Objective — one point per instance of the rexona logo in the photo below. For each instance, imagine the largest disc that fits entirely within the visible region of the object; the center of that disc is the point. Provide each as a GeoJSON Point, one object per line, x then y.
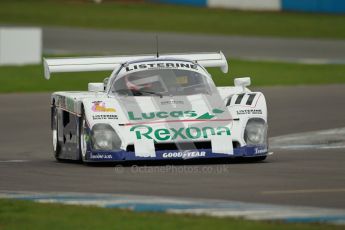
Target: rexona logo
{"type": "Point", "coordinates": [164, 134]}
{"type": "Point", "coordinates": [173, 114]}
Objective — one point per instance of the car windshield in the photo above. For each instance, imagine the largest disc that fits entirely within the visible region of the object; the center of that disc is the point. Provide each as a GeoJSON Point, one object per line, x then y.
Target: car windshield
{"type": "Point", "coordinates": [162, 82]}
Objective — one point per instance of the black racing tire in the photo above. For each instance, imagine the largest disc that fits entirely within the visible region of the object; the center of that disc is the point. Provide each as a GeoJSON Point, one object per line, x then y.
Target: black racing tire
{"type": "Point", "coordinates": [55, 133]}
{"type": "Point", "coordinates": [82, 144]}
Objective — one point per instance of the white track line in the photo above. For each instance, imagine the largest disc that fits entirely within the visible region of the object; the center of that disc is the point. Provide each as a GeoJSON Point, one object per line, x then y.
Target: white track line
{"type": "Point", "coordinates": [13, 161]}
{"type": "Point", "coordinates": [323, 139]}
{"type": "Point", "coordinates": [304, 191]}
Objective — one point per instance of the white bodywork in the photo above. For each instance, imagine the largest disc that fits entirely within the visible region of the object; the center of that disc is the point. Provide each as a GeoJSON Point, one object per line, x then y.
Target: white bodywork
{"type": "Point", "coordinates": [171, 113]}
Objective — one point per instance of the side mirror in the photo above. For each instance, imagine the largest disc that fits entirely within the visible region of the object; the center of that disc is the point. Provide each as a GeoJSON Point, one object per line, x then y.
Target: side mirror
{"type": "Point", "coordinates": [96, 87]}
{"type": "Point", "coordinates": [242, 82]}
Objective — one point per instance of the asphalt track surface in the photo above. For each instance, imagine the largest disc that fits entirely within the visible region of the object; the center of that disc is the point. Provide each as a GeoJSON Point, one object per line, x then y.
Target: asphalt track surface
{"type": "Point", "coordinates": [60, 40]}
{"type": "Point", "coordinates": [304, 178]}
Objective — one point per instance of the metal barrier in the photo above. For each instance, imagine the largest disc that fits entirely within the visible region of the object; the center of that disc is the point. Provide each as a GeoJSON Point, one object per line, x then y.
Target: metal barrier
{"type": "Point", "coordinates": [317, 6]}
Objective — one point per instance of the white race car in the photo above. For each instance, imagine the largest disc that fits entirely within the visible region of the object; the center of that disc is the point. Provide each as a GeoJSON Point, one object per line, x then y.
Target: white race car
{"type": "Point", "coordinates": [156, 108]}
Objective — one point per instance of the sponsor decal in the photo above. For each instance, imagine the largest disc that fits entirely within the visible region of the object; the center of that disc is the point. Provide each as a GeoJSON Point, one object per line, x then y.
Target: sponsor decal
{"type": "Point", "coordinates": [184, 154]}
{"type": "Point", "coordinates": [172, 102]}
{"type": "Point", "coordinates": [207, 116]}
{"type": "Point", "coordinates": [101, 156]}
{"type": "Point", "coordinates": [161, 114]}
{"type": "Point", "coordinates": [161, 65]}
{"type": "Point", "coordinates": [99, 106]}
{"type": "Point", "coordinates": [104, 117]}
{"type": "Point", "coordinates": [173, 114]}
{"type": "Point", "coordinates": [190, 133]}
{"type": "Point", "coordinates": [250, 99]}
{"type": "Point", "coordinates": [261, 150]}
{"type": "Point", "coordinates": [248, 111]}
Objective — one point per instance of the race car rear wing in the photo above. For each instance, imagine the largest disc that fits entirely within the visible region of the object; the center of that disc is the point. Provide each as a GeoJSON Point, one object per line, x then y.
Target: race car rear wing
{"type": "Point", "coordinates": [86, 64]}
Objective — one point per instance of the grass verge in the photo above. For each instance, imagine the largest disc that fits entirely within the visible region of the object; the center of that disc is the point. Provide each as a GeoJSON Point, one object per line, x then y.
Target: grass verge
{"type": "Point", "coordinates": [17, 214]}
{"type": "Point", "coordinates": [154, 17]}
{"type": "Point", "coordinates": [30, 78]}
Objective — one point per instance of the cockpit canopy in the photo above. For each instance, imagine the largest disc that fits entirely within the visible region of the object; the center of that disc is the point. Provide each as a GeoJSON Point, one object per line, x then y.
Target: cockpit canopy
{"type": "Point", "coordinates": [162, 78]}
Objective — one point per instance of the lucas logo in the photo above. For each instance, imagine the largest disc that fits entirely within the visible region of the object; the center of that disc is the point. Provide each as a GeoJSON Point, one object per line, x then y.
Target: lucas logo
{"type": "Point", "coordinates": [173, 114]}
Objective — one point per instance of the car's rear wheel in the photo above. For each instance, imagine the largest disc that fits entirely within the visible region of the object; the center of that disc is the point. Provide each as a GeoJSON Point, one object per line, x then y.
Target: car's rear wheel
{"type": "Point", "coordinates": [55, 133]}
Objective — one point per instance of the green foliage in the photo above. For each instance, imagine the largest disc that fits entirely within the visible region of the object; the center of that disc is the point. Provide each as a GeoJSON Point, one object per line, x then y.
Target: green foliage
{"type": "Point", "coordinates": [16, 214]}
{"type": "Point", "coordinates": [155, 17]}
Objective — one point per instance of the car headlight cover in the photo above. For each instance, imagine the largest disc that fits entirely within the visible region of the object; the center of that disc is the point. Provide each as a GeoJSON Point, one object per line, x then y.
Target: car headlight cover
{"type": "Point", "coordinates": [105, 138]}
{"type": "Point", "coordinates": [255, 132]}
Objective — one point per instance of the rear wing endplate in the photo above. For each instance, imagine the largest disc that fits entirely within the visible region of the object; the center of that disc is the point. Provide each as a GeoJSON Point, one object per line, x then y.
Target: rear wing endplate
{"type": "Point", "coordinates": [86, 64]}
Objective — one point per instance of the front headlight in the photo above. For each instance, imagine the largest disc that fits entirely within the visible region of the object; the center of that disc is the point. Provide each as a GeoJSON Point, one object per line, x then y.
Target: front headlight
{"type": "Point", "coordinates": [255, 132]}
{"type": "Point", "coordinates": [105, 138]}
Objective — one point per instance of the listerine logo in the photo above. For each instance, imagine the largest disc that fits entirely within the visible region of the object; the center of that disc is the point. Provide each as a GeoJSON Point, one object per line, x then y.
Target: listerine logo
{"type": "Point", "coordinates": [164, 134]}
{"type": "Point", "coordinates": [173, 114]}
